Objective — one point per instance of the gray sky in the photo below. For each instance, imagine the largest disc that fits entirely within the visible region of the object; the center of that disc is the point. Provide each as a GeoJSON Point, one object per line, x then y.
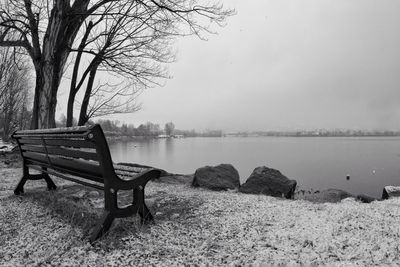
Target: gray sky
{"type": "Point", "coordinates": [285, 65]}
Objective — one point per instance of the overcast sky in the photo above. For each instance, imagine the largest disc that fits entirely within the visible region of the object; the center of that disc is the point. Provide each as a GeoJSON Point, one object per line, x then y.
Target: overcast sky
{"type": "Point", "coordinates": [286, 65]}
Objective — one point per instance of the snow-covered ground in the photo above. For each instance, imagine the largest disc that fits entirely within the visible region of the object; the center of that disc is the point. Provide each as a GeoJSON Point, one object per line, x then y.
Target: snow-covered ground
{"type": "Point", "coordinates": [6, 147]}
{"type": "Point", "coordinates": [194, 227]}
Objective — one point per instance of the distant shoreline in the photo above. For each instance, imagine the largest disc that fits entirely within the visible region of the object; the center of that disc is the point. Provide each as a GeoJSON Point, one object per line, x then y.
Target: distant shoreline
{"type": "Point", "coordinates": [113, 138]}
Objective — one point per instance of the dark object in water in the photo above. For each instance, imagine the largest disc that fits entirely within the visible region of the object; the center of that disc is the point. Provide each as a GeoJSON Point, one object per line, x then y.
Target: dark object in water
{"type": "Point", "coordinates": [348, 177]}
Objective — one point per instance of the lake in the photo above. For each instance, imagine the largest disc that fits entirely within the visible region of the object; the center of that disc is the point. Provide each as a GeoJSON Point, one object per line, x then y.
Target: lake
{"type": "Point", "coordinates": [315, 162]}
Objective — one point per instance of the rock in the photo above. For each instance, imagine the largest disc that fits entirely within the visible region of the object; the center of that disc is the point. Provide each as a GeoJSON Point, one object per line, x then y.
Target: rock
{"type": "Point", "coordinates": [365, 198]}
{"type": "Point", "coordinates": [333, 195]}
{"type": "Point", "coordinates": [269, 182]}
{"type": "Point", "coordinates": [94, 193]}
{"type": "Point", "coordinates": [7, 148]}
{"type": "Point", "coordinates": [221, 177]}
{"type": "Point", "coordinates": [390, 191]}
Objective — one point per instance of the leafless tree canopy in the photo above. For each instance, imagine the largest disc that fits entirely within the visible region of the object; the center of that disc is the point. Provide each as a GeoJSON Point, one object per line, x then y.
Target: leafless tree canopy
{"type": "Point", "coordinates": [127, 36]}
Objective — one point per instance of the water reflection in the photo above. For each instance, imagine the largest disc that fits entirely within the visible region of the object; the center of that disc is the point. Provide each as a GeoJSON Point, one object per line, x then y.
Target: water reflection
{"type": "Point", "coordinates": [169, 146]}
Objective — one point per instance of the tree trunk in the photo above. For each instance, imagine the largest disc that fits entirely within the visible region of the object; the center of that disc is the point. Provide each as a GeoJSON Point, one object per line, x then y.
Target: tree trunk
{"type": "Point", "coordinates": [70, 109]}
{"type": "Point", "coordinates": [48, 79]}
{"type": "Point", "coordinates": [49, 65]}
{"type": "Point", "coordinates": [35, 108]}
{"type": "Point", "coordinates": [83, 116]}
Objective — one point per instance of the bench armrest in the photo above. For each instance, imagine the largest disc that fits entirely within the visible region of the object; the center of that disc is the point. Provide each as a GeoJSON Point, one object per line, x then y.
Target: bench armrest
{"type": "Point", "coordinates": [139, 179]}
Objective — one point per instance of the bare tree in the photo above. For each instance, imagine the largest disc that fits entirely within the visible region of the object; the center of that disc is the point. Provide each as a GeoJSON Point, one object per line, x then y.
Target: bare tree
{"type": "Point", "coordinates": [131, 41]}
{"type": "Point", "coordinates": [7, 65]}
{"type": "Point", "coordinates": [47, 31]}
{"type": "Point", "coordinates": [13, 92]}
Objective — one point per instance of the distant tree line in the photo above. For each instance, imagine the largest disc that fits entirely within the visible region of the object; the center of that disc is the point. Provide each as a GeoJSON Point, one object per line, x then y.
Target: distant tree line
{"type": "Point", "coordinates": [318, 133]}
{"type": "Point", "coordinates": [148, 129]}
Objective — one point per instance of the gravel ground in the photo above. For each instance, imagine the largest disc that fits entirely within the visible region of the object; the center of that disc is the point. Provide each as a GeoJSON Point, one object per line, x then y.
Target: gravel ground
{"type": "Point", "coordinates": [193, 227]}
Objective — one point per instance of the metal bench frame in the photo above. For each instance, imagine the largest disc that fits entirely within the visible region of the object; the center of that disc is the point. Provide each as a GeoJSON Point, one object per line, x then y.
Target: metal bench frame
{"type": "Point", "coordinates": [59, 152]}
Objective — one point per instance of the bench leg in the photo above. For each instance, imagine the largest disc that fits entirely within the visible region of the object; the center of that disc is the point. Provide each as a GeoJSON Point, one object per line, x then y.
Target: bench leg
{"type": "Point", "coordinates": [145, 214]}
{"type": "Point", "coordinates": [50, 183]}
{"type": "Point", "coordinates": [26, 176]}
{"type": "Point", "coordinates": [143, 210]}
{"type": "Point", "coordinates": [102, 227]}
{"type": "Point", "coordinates": [20, 186]}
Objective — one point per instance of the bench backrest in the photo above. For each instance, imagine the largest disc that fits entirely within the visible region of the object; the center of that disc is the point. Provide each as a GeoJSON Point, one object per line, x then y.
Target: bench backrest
{"type": "Point", "coordinates": [80, 151]}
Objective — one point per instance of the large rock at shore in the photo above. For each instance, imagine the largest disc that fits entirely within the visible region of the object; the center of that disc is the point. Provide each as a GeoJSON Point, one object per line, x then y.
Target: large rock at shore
{"type": "Point", "coordinates": [390, 191]}
{"type": "Point", "coordinates": [332, 195]}
{"type": "Point", "coordinates": [221, 177]}
{"type": "Point", "coordinates": [269, 182]}
{"type": "Point", "coordinates": [365, 199]}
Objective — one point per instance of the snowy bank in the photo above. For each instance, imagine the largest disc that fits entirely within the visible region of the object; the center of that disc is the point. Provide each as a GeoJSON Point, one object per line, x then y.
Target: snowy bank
{"type": "Point", "coordinates": [6, 147]}
{"type": "Point", "coordinates": [194, 226]}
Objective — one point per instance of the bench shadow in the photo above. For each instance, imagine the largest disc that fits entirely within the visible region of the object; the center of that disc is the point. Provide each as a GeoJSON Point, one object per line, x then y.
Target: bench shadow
{"type": "Point", "coordinates": [83, 207]}
{"type": "Point", "coordinates": [66, 204]}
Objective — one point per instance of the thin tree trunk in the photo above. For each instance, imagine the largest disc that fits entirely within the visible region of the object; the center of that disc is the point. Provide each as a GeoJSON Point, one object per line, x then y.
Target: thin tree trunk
{"type": "Point", "coordinates": [73, 88]}
{"type": "Point", "coordinates": [70, 109]}
{"type": "Point", "coordinates": [83, 116]}
{"type": "Point", "coordinates": [35, 108]}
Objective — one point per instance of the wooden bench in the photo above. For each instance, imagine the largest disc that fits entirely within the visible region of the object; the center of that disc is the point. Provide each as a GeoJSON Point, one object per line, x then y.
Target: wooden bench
{"type": "Point", "coordinates": [81, 155]}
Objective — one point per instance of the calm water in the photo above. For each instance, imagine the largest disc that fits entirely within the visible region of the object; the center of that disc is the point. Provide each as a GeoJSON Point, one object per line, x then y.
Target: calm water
{"type": "Point", "coordinates": [315, 162]}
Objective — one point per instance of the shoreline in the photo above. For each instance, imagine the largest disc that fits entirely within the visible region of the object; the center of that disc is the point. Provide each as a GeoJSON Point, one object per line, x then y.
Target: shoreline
{"type": "Point", "coordinates": [12, 160]}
